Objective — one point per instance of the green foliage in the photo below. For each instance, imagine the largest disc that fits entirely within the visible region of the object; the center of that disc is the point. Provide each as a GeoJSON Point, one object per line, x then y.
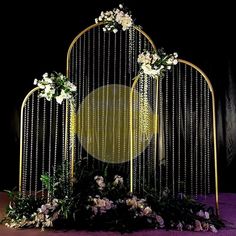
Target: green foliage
{"type": "Point", "coordinates": [47, 182]}
{"type": "Point", "coordinates": [21, 207]}
{"type": "Point", "coordinates": [99, 201]}
{"type": "Point", "coordinates": [181, 208]}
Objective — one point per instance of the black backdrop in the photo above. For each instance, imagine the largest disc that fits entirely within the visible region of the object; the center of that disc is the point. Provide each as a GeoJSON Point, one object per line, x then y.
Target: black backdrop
{"type": "Point", "coordinates": [35, 38]}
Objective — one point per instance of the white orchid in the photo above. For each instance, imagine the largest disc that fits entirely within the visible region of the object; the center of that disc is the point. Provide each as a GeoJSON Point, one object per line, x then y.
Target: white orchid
{"type": "Point", "coordinates": [147, 69]}
{"type": "Point", "coordinates": [118, 180]}
{"type": "Point", "coordinates": [57, 86]}
{"type": "Point", "coordinates": [155, 64]}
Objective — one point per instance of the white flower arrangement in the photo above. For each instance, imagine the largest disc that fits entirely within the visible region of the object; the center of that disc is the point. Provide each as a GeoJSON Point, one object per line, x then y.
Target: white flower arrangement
{"type": "Point", "coordinates": [115, 19]}
{"type": "Point", "coordinates": [57, 86]}
{"type": "Point", "coordinates": [155, 64]}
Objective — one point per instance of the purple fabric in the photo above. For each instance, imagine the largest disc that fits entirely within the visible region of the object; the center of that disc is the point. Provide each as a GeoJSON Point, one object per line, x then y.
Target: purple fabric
{"type": "Point", "coordinates": [227, 203]}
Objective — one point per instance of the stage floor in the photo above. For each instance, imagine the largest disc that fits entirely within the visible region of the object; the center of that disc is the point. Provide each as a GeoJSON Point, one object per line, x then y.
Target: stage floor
{"type": "Point", "coordinates": [227, 203]}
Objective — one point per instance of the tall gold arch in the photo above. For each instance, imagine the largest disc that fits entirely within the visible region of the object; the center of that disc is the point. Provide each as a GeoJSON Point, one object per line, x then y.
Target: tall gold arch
{"type": "Point", "coordinates": [184, 140]}
{"type": "Point", "coordinates": [103, 66]}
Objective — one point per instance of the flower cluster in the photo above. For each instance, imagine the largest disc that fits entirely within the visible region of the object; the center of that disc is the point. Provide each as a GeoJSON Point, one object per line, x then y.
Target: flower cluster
{"type": "Point", "coordinates": [141, 208]}
{"type": "Point", "coordinates": [100, 205]}
{"type": "Point", "coordinates": [115, 19]}
{"type": "Point", "coordinates": [107, 205]}
{"type": "Point", "coordinates": [43, 218]}
{"type": "Point", "coordinates": [155, 64]}
{"type": "Point", "coordinates": [46, 214]}
{"type": "Point", "coordinates": [57, 86]}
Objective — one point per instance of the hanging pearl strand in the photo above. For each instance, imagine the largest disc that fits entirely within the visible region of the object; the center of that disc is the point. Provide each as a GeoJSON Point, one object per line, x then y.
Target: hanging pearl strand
{"type": "Point", "coordinates": [191, 131]}
{"type": "Point", "coordinates": [179, 128]}
{"type": "Point", "coordinates": [185, 129]}
{"type": "Point", "coordinates": [43, 145]}
{"type": "Point", "coordinates": [167, 130]}
{"type": "Point", "coordinates": [93, 88]}
{"type": "Point", "coordinates": [25, 156]}
{"type": "Point", "coordinates": [50, 147]}
{"type": "Point", "coordinates": [197, 133]}
{"type": "Point", "coordinates": [173, 131]}
{"type": "Point", "coordinates": [36, 148]}
{"type": "Point", "coordinates": [161, 157]}
{"type": "Point", "coordinates": [31, 144]}
{"type": "Point", "coordinates": [98, 84]}
{"type": "Point", "coordinates": [55, 145]}
{"type": "Point", "coordinates": [208, 142]}
{"type": "Point", "coordinates": [114, 100]}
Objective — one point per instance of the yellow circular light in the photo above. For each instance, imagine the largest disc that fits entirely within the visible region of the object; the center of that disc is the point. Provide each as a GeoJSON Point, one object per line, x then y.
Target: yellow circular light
{"type": "Point", "coordinates": [103, 123]}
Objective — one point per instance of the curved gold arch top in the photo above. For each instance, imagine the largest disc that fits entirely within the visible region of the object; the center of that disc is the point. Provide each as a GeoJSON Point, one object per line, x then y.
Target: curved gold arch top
{"type": "Point", "coordinates": [21, 136]}
{"type": "Point", "coordinates": [184, 141]}
{"type": "Point", "coordinates": [94, 26]}
{"type": "Point", "coordinates": [103, 65]}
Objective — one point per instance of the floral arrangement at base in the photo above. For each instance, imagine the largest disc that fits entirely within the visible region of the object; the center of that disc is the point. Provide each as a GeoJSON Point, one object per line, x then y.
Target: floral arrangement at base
{"type": "Point", "coordinates": [102, 202]}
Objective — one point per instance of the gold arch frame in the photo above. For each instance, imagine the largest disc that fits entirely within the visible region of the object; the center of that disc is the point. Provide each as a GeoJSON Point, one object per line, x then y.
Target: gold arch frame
{"type": "Point", "coordinates": [131, 115]}
{"type": "Point", "coordinates": [68, 72]}
{"type": "Point", "coordinates": [21, 132]}
{"type": "Point", "coordinates": [155, 129]}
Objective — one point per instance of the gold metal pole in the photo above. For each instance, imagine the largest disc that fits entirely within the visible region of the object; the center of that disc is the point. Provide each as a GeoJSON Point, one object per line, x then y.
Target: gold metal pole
{"type": "Point", "coordinates": [21, 135]}
{"type": "Point", "coordinates": [155, 128]}
{"type": "Point", "coordinates": [215, 155]}
{"type": "Point", "coordinates": [131, 132]}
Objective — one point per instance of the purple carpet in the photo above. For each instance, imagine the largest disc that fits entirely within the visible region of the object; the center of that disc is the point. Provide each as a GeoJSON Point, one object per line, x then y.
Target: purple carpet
{"type": "Point", "coordinates": [227, 202]}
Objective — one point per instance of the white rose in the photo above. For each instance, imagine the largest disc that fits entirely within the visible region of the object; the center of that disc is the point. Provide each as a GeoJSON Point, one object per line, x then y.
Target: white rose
{"type": "Point", "coordinates": [126, 22]}
{"type": "Point", "coordinates": [175, 54]}
{"type": "Point", "coordinates": [45, 75]}
{"type": "Point", "coordinates": [175, 61]}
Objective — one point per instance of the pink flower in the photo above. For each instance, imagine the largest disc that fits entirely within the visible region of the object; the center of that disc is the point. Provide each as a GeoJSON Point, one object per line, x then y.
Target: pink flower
{"type": "Point", "coordinates": [205, 226]}
{"type": "Point", "coordinates": [180, 226]}
{"type": "Point", "coordinates": [213, 229]}
{"type": "Point", "coordinates": [147, 211]}
{"type": "Point", "coordinates": [160, 221]}
{"type": "Point", "coordinates": [132, 202]}
{"type": "Point", "coordinates": [198, 226]}
{"type": "Point", "coordinates": [189, 227]}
